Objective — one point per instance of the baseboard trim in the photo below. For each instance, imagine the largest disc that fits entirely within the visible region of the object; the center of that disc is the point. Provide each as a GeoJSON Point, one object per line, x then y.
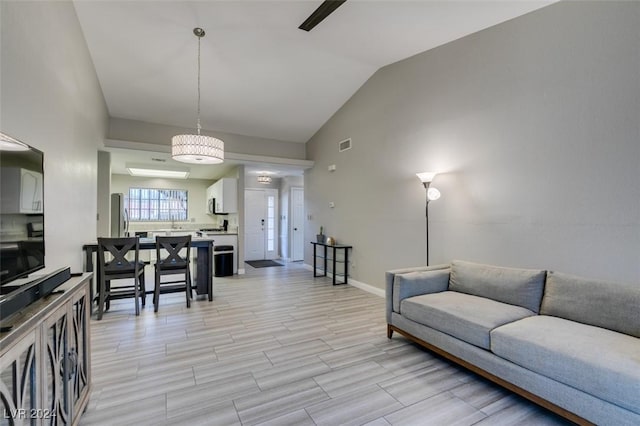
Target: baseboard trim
{"type": "Point", "coordinates": [367, 287]}
{"type": "Point", "coordinates": [362, 286]}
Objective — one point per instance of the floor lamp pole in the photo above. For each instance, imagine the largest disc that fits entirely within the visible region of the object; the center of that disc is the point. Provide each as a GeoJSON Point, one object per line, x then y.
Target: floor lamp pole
{"type": "Point", "coordinates": [426, 214]}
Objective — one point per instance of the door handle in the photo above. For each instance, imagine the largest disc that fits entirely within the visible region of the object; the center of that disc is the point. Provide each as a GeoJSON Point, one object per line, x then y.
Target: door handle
{"type": "Point", "coordinates": [295, 229]}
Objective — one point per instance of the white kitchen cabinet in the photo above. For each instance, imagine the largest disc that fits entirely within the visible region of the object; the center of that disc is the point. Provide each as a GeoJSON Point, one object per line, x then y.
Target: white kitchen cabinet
{"type": "Point", "coordinates": [225, 195]}
{"type": "Point", "coordinates": [25, 197]}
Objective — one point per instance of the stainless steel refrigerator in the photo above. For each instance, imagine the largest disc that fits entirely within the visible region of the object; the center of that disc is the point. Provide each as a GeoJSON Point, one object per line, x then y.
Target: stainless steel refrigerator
{"type": "Point", "coordinates": [119, 216]}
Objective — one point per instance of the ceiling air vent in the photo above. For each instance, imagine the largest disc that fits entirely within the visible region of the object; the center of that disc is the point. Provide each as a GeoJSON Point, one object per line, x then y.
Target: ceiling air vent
{"type": "Point", "coordinates": [344, 145]}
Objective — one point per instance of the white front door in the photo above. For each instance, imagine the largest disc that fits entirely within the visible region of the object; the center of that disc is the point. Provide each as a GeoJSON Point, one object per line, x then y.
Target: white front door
{"type": "Point", "coordinates": [260, 223]}
{"type": "Point", "coordinates": [297, 224]}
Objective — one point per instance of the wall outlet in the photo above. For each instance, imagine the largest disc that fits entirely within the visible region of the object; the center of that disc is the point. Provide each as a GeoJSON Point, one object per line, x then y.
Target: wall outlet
{"type": "Point", "coordinates": [332, 204]}
{"type": "Point", "coordinates": [332, 168]}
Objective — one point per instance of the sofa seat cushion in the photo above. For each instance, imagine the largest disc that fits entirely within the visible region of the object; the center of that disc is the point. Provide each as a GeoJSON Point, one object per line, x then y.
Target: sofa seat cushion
{"type": "Point", "coordinates": [603, 363]}
{"type": "Point", "coordinates": [466, 317]}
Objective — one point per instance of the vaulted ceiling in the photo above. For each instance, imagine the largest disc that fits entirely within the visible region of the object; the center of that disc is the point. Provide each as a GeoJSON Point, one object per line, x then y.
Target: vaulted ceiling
{"type": "Point", "coordinates": [261, 75]}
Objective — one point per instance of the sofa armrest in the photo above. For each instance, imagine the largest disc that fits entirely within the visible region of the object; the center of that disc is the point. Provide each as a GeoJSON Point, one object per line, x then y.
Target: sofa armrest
{"type": "Point", "coordinates": [408, 282]}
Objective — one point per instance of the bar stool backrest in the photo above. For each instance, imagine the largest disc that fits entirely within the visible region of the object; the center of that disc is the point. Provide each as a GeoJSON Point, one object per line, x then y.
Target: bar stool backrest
{"type": "Point", "coordinates": [173, 246]}
{"type": "Point", "coordinates": [115, 264]}
{"type": "Point", "coordinates": [117, 249]}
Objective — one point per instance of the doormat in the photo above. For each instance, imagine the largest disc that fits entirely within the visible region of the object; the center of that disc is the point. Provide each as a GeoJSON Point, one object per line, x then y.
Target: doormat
{"type": "Point", "coordinates": [262, 263]}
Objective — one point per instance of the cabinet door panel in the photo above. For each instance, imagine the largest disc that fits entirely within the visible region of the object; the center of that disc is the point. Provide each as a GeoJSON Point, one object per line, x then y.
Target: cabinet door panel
{"type": "Point", "coordinates": [31, 192]}
{"type": "Point", "coordinates": [56, 397]}
{"type": "Point", "coordinates": [18, 385]}
{"type": "Point", "coordinates": [79, 360]}
{"type": "Point", "coordinates": [45, 369]}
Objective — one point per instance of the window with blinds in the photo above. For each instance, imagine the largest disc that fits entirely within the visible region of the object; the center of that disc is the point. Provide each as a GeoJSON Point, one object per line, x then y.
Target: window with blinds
{"type": "Point", "coordinates": [157, 204]}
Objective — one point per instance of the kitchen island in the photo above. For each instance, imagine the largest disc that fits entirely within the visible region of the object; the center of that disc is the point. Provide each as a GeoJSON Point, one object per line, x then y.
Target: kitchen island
{"type": "Point", "coordinates": [222, 237]}
{"type": "Point", "coordinates": [202, 273]}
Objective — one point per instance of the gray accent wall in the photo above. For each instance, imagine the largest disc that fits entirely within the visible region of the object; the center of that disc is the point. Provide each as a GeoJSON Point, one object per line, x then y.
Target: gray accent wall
{"type": "Point", "coordinates": [534, 128]}
{"type": "Point", "coordinates": [51, 99]}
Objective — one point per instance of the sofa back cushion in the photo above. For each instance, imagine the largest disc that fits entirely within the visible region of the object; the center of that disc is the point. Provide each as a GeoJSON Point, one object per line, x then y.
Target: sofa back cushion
{"type": "Point", "coordinates": [520, 287]}
{"type": "Point", "coordinates": [599, 303]}
{"type": "Point", "coordinates": [417, 283]}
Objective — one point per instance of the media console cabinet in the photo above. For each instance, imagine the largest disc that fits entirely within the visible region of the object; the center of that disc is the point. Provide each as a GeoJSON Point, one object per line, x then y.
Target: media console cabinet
{"type": "Point", "coordinates": [45, 358]}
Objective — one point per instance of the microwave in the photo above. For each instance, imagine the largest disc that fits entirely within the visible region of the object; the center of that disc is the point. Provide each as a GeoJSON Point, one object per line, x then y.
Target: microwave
{"type": "Point", "coordinates": [211, 207]}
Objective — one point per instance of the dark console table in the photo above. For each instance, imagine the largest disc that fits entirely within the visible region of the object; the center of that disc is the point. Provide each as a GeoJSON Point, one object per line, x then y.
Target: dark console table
{"type": "Point", "coordinates": [335, 248]}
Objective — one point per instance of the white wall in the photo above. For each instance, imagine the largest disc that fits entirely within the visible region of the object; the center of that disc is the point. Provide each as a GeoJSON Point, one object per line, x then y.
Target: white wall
{"type": "Point", "coordinates": [153, 133]}
{"type": "Point", "coordinates": [251, 181]}
{"type": "Point", "coordinates": [51, 99]}
{"type": "Point", "coordinates": [534, 127]}
{"type": "Point", "coordinates": [240, 174]}
{"type": "Point", "coordinates": [103, 227]}
{"type": "Point", "coordinates": [196, 200]}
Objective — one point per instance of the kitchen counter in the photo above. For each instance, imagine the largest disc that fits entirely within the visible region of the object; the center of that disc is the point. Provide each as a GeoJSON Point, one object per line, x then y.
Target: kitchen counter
{"type": "Point", "coordinates": [152, 240]}
{"type": "Point", "coordinates": [193, 232]}
{"type": "Point", "coordinates": [218, 233]}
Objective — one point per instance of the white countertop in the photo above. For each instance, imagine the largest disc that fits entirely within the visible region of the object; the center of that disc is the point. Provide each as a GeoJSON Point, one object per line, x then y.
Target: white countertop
{"type": "Point", "coordinates": [218, 233]}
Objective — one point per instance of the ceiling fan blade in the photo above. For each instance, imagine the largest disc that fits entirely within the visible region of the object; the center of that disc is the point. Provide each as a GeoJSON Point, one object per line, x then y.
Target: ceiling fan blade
{"type": "Point", "coordinates": [325, 9]}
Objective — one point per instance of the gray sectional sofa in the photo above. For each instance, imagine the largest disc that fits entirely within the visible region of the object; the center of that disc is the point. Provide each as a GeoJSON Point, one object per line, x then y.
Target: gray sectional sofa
{"type": "Point", "coordinates": [569, 344]}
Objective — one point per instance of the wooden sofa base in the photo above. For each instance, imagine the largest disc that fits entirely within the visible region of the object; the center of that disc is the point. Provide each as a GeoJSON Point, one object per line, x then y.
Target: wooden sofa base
{"type": "Point", "coordinates": [507, 385]}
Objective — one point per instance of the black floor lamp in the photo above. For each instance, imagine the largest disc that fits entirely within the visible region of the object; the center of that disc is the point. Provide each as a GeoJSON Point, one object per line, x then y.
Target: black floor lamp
{"type": "Point", "coordinates": [432, 194]}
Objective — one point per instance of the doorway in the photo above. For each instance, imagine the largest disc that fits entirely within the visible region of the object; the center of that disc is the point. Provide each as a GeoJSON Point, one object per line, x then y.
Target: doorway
{"type": "Point", "coordinates": [260, 224]}
{"type": "Point", "coordinates": [297, 224]}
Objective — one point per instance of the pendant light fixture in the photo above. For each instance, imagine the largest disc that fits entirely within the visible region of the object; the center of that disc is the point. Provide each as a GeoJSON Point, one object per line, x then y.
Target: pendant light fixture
{"type": "Point", "coordinates": [197, 149]}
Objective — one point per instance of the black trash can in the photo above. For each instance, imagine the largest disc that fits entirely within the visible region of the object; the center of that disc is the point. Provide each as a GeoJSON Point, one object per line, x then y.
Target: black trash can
{"type": "Point", "coordinates": [223, 259]}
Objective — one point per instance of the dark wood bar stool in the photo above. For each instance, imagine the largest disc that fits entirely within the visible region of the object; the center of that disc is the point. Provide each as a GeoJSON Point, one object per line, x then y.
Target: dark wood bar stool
{"type": "Point", "coordinates": [172, 264]}
{"type": "Point", "coordinates": [119, 267]}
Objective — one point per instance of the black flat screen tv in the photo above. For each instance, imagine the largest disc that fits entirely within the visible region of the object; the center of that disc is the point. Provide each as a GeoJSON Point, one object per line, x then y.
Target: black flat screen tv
{"type": "Point", "coordinates": [21, 210]}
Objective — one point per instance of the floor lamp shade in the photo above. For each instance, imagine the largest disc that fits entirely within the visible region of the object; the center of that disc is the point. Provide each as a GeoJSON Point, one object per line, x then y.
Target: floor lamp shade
{"type": "Point", "coordinates": [432, 194]}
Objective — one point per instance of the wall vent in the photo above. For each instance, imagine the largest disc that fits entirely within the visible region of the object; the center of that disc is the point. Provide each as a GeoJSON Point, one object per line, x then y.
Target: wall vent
{"type": "Point", "coordinates": [344, 145]}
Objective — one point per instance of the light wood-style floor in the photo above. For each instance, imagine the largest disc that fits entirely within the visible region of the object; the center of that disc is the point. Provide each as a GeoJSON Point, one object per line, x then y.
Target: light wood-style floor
{"type": "Point", "coordinates": [278, 347]}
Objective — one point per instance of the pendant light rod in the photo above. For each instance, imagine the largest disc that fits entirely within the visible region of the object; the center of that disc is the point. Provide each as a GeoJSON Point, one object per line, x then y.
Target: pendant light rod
{"type": "Point", "coordinates": [199, 32]}
{"type": "Point", "coordinates": [197, 149]}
